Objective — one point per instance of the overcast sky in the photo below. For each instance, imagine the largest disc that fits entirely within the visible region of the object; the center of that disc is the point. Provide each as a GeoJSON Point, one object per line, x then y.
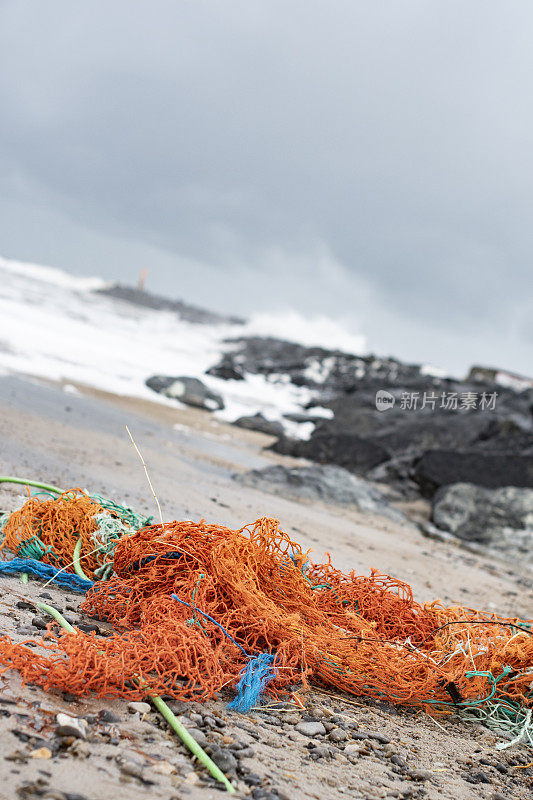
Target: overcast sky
{"type": "Point", "coordinates": [372, 161]}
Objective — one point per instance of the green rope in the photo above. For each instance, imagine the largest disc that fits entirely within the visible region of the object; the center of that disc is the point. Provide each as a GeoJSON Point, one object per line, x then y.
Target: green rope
{"type": "Point", "coordinates": [48, 487]}
{"type": "Point", "coordinates": [159, 703]}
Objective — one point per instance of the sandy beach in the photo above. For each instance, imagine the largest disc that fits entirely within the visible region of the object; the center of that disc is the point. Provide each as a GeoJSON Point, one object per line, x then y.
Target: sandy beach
{"type": "Point", "coordinates": [77, 438]}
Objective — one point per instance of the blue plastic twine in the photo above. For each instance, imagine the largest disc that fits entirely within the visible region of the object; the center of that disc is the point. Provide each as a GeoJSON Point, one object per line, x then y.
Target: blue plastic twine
{"type": "Point", "coordinates": [255, 676]}
{"type": "Point", "coordinates": [254, 679]}
{"type": "Point", "coordinates": [40, 570]}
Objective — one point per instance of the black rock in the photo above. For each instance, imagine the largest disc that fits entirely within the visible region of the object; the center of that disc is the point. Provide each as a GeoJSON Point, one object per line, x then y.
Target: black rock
{"type": "Point", "coordinates": [224, 759]}
{"type": "Point", "coordinates": [443, 467]}
{"type": "Point", "coordinates": [343, 449]}
{"type": "Point", "coordinates": [257, 422]}
{"type": "Point", "coordinates": [190, 391]}
{"type": "Point", "coordinates": [185, 311]}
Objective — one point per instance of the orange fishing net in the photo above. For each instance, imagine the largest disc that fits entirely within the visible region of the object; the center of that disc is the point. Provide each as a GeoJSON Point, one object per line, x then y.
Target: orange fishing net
{"type": "Point", "coordinates": [49, 529]}
{"type": "Point", "coordinates": [254, 589]}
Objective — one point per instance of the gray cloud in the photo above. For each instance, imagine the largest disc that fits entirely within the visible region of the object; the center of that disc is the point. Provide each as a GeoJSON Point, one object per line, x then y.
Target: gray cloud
{"type": "Point", "coordinates": [370, 160]}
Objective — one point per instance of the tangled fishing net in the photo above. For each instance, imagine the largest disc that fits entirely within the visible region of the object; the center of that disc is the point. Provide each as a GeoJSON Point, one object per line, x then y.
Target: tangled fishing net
{"type": "Point", "coordinates": [196, 607]}
{"type": "Point", "coordinates": [48, 530]}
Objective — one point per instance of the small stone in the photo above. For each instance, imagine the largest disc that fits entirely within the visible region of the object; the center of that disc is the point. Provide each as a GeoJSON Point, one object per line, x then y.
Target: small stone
{"type": "Point", "coordinates": [24, 605]}
{"type": "Point", "coordinates": [196, 718]}
{"type": "Point", "coordinates": [352, 750]}
{"type": "Point", "coordinates": [477, 777]}
{"type": "Point", "coordinates": [379, 737]}
{"type": "Point", "coordinates": [198, 736]}
{"type": "Point", "coordinates": [164, 768]}
{"type": "Point", "coordinates": [224, 759]}
{"type": "Point", "coordinates": [192, 778]}
{"type": "Point", "coordinates": [40, 623]}
{"type": "Point", "coordinates": [41, 752]}
{"type": "Point", "coordinates": [139, 708]}
{"type": "Point", "coordinates": [291, 719]}
{"type": "Point", "coordinates": [71, 726]}
{"type": "Point", "coordinates": [338, 735]}
{"type": "Point", "coordinates": [420, 775]}
{"type": "Point", "coordinates": [311, 728]}
{"type": "Point", "coordinates": [246, 752]}
{"type": "Point", "coordinates": [107, 716]}
{"type": "Point", "coordinates": [498, 796]}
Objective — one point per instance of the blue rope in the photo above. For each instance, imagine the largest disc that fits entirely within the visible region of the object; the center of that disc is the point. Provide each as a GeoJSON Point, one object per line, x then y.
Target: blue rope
{"type": "Point", "coordinates": [255, 676]}
{"type": "Point", "coordinates": [40, 570]}
{"type": "Point", "coordinates": [224, 631]}
{"type": "Point", "coordinates": [254, 679]}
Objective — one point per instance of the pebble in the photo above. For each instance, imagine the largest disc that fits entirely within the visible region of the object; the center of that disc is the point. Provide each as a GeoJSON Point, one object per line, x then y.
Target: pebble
{"type": "Point", "coordinates": [139, 708]}
{"type": "Point", "coordinates": [41, 752]}
{"type": "Point", "coordinates": [352, 750]}
{"type": "Point", "coordinates": [108, 716]}
{"type": "Point", "coordinates": [164, 768]}
{"type": "Point", "coordinates": [420, 775]}
{"type": "Point", "coordinates": [224, 759]}
{"type": "Point", "coordinates": [71, 726]}
{"type": "Point", "coordinates": [379, 737]}
{"type": "Point", "coordinates": [477, 777]}
{"type": "Point", "coordinates": [338, 735]}
{"type": "Point", "coordinates": [40, 623]}
{"type": "Point", "coordinates": [192, 778]}
{"type": "Point", "coordinates": [198, 736]}
{"type": "Point", "coordinates": [311, 728]}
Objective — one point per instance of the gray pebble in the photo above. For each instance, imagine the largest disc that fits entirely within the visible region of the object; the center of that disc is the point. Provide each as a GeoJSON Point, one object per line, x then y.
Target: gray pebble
{"type": "Point", "coordinates": [420, 775]}
{"type": "Point", "coordinates": [338, 735]}
{"type": "Point", "coordinates": [107, 716]}
{"type": "Point", "coordinates": [198, 736]}
{"type": "Point", "coordinates": [311, 728]}
{"type": "Point", "coordinates": [224, 759]}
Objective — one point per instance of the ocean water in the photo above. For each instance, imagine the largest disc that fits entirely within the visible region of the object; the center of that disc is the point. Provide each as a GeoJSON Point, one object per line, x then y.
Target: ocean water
{"type": "Point", "coordinates": [54, 326]}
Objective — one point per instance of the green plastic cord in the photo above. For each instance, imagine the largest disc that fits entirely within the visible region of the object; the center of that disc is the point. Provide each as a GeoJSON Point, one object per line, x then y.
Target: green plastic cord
{"type": "Point", "coordinates": [46, 486]}
{"type": "Point", "coordinates": [76, 561]}
{"type": "Point", "coordinates": [158, 702]}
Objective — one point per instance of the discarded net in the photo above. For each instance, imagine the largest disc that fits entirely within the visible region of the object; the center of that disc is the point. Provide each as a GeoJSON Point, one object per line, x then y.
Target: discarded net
{"type": "Point", "coordinates": [197, 607]}
{"type": "Point", "coordinates": [48, 530]}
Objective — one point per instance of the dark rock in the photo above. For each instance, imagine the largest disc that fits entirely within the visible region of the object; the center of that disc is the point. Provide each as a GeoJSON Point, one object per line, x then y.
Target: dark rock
{"type": "Point", "coordinates": [108, 717]}
{"type": "Point", "coordinates": [484, 515]}
{"type": "Point", "coordinates": [316, 482]}
{"type": "Point", "coordinates": [257, 422]}
{"type": "Point", "coordinates": [477, 777]}
{"type": "Point", "coordinates": [24, 605]}
{"type": "Point", "coordinates": [190, 391]}
{"type": "Point", "coordinates": [227, 369]}
{"type": "Point", "coordinates": [40, 623]}
{"type": "Point", "coordinates": [343, 449]}
{"type": "Point", "coordinates": [443, 467]}
{"type": "Point", "coordinates": [224, 759]}
{"type": "Point", "coordinates": [185, 311]}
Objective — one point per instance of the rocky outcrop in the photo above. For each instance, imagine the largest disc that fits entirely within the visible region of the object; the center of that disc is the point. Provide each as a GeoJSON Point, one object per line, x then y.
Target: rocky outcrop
{"type": "Point", "coordinates": [438, 468]}
{"type": "Point", "coordinates": [187, 312]}
{"type": "Point", "coordinates": [190, 391]}
{"type": "Point", "coordinates": [501, 518]}
{"type": "Point", "coordinates": [326, 483]}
